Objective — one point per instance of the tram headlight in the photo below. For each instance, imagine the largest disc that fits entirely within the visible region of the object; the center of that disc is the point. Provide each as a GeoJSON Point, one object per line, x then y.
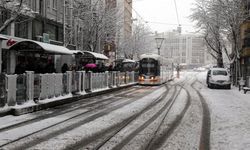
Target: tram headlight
{"type": "Point", "coordinates": [141, 77]}
{"type": "Point", "coordinates": [153, 78]}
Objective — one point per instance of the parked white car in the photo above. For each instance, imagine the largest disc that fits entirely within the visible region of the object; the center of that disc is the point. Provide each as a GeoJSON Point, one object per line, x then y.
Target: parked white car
{"type": "Point", "coordinates": [218, 77]}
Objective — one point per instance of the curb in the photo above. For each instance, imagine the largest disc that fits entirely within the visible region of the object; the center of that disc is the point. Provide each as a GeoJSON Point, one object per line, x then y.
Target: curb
{"type": "Point", "coordinates": [6, 112]}
{"type": "Point", "coordinates": [38, 107]}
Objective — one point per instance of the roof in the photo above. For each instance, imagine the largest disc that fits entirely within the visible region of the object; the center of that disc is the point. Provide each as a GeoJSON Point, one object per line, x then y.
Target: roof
{"type": "Point", "coordinates": [154, 56]}
{"type": "Point", "coordinates": [39, 47]}
{"type": "Point", "coordinates": [3, 38]}
{"type": "Point", "coordinates": [128, 61]}
{"type": "Point", "coordinates": [93, 54]}
{"type": "Point", "coordinates": [218, 69]}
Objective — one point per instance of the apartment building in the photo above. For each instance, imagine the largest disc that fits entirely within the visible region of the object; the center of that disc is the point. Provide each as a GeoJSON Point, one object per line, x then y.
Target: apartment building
{"type": "Point", "coordinates": [185, 49]}
{"type": "Point", "coordinates": [245, 41]}
{"type": "Point", "coordinates": [48, 19]}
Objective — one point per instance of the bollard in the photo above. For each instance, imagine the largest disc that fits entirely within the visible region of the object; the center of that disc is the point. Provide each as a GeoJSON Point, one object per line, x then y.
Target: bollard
{"type": "Point", "coordinates": [114, 78]}
{"type": "Point", "coordinates": [83, 82]}
{"type": "Point", "coordinates": [30, 85]}
{"type": "Point", "coordinates": [11, 89]}
{"type": "Point", "coordinates": [90, 81]}
{"type": "Point", "coordinates": [241, 83]}
{"type": "Point", "coordinates": [118, 79]}
{"type": "Point", "coordinates": [79, 83]}
{"type": "Point", "coordinates": [133, 77]}
{"type": "Point", "coordinates": [69, 82]}
{"type": "Point", "coordinates": [107, 79]}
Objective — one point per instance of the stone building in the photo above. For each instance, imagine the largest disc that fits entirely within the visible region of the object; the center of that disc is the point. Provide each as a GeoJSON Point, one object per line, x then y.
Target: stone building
{"type": "Point", "coordinates": [186, 49]}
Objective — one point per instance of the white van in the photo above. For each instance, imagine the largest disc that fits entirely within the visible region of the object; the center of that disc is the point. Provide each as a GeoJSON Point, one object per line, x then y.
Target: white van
{"type": "Point", "coordinates": [218, 77]}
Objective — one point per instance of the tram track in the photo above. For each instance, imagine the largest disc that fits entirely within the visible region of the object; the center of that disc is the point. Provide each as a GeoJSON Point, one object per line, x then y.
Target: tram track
{"type": "Point", "coordinates": [78, 122]}
{"type": "Point", "coordinates": [113, 129]}
{"type": "Point", "coordinates": [161, 136]}
{"type": "Point", "coordinates": [131, 127]}
{"type": "Point", "coordinates": [163, 132]}
{"type": "Point", "coordinates": [195, 124]}
{"type": "Point", "coordinates": [206, 121]}
{"type": "Point", "coordinates": [64, 109]}
{"type": "Point", "coordinates": [165, 109]}
{"type": "Point", "coordinates": [167, 106]}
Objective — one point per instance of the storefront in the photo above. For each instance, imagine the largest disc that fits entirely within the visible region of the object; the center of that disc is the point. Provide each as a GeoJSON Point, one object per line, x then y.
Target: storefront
{"type": "Point", "coordinates": [36, 56]}
{"type": "Point", "coordinates": [83, 58]}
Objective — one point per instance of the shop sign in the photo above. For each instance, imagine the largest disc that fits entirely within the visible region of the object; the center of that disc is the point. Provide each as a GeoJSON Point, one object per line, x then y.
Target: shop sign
{"type": "Point", "coordinates": [10, 42]}
{"type": "Point", "coordinates": [45, 38]}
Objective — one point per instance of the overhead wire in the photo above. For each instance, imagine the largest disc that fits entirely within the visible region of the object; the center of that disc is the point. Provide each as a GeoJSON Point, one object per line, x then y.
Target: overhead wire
{"type": "Point", "coordinates": [176, 12]}
{"type": "Point", "coordinates": [165, 23]}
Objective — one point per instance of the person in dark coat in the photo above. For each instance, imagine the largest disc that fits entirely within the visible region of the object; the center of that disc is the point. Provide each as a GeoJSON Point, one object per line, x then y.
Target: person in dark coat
{"type": "Point", "coordinates": [64, 68]}
{"type": "Point", "coordinates": [50, 68]}
{"type": "Point", "coordinates": [110, 68]}
{"type": "Point", "coordinates": [20, 68]}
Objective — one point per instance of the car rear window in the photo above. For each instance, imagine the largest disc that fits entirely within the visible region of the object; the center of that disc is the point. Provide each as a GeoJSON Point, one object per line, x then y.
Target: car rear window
{"type": "Point", "coordinates": [220, 72]}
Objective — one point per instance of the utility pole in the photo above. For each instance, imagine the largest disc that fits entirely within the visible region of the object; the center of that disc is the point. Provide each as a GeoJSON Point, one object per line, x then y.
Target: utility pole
{"type": "Point", "coordinates": [64, 18]}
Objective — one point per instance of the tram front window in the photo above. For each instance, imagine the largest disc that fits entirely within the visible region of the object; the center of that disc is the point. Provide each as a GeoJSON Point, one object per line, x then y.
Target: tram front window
{"type": "Point", "coordinates": [148, 68]}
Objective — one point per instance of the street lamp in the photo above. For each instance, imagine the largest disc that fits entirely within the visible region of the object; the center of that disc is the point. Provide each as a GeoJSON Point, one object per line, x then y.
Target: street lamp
{"type": "Point", "coordinates": [159, 43]}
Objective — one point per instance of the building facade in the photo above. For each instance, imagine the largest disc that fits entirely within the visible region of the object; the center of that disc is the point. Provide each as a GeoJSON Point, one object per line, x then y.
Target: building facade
{"type": "Point", "coordinates": [185, 49]}
{"type": "Point", "coordinates": [245, 42]}
{"type": "Point", "coordinates": [124, 27]}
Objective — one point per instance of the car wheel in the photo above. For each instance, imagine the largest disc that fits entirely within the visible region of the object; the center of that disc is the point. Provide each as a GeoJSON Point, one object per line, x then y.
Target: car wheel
{"type": "Point", "coordinates": [229, 86]}
{"type": "Point", "coordinates": [210, 86]}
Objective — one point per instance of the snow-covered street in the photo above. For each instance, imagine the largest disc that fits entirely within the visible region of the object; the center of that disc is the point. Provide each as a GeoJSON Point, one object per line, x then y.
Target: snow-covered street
{"type": "Point", "coordinates": [230, 121]}
{"type": "Point", "coordinates": [183, 114]}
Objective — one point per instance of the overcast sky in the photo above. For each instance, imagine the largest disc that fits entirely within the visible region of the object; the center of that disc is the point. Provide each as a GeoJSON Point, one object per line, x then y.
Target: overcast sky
{"type": "Point", "coordinates": [161, 14]}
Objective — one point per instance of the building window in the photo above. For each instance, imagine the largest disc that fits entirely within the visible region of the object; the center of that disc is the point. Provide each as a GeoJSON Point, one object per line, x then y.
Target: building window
{"type": "Point", "coordinates": [4, 15]}
{"type": "Point", "coordinates": [52, 31]}
{"type": "Point", "coordinates": [48, 3]}
{"type": "Point", "coordinates": [21, 28]}
{"type": "Point", "coordinates": [54, 4]}
{"type": "Point", "coordinates": [34, 6]}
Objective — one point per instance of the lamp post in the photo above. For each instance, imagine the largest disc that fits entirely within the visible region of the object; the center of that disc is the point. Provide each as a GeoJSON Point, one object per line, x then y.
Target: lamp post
{"type": "Point", "coordinates": [159, 43]}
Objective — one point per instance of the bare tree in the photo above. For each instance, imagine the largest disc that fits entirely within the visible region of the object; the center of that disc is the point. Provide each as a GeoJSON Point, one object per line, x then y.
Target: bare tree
{"type": "Point", "coordinates": [12, 9]}
{"type": "Point", "coordinates": [141, 39]}
{"type": "Point", "coordinates": [207, 15]}
{"type": "Point", "coordinates": [220, 22]}
{"type": "Point", "coordinates": [137, 43]}
{"type": "Point", "coordinates": [97, 22]}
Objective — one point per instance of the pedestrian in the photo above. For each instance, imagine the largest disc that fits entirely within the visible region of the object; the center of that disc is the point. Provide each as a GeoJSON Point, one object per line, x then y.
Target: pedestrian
{"type": "Point", "coordinates": [20, 68]}
{"type": "Point", "coordinates": [110, 68]}
{"type": "Point", "coordinates": [64, 68]}
{"type": "Point", "coordinates": [50, 68]}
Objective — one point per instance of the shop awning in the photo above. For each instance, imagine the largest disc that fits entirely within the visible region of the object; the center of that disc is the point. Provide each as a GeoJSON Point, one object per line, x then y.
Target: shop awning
{"type": "Point", "coordinates": [39, 47]}
{"type": "Point", "coordinates": [3, 38]}
{"type": "Point", "coordinates": [95, 55]}
{"type": "Point", "coordinates": [128, 61]}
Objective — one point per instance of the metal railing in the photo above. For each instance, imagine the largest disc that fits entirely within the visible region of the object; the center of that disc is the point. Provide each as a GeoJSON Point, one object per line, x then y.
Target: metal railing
{"type": "Point", "coordinates": [19, 89]}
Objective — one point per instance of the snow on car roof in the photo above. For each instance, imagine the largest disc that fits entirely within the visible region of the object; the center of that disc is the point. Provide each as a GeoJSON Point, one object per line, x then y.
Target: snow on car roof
{"type": "Point", "coordinates": [218, 69]}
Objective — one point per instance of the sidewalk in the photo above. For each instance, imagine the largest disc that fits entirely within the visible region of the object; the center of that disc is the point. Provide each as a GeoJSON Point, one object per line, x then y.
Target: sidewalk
{"type": "Point", "coordinates": [31, 106]}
